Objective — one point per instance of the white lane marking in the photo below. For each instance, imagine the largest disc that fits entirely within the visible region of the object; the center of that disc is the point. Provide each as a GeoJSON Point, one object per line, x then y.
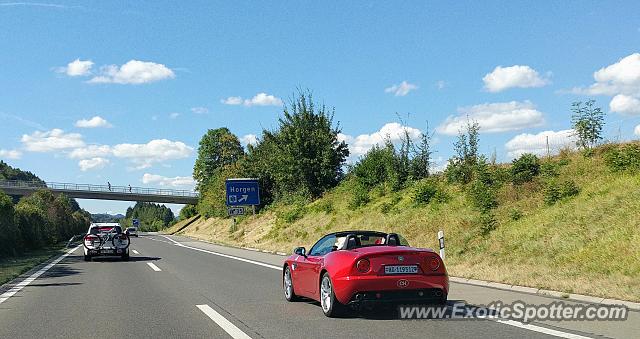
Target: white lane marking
{"type": "Point", "coordinates": [226, 255]}
{"type": "Point", "coordinates": [15, 289]}
{"type": "Point", "coordinates": [225, 324]}
{"type": "Point", "coordinates": [135, 252]}
{"type": "Point", "coordinates": [529, 327]}
{"type": "Point", "coordinates": [154, 267]}
{"type": "Point", "coordinates": [539, 329]}
{"type": "Point", "coordinates": [150, 238]}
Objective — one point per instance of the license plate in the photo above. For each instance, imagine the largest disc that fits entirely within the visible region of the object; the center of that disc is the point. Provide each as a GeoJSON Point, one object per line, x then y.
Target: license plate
{"type": "Point", "coordinates": [401, 269]}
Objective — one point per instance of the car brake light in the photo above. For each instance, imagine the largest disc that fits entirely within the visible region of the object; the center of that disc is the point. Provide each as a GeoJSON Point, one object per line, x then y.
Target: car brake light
{"type": "Point", "coordinates": [363, 265]}
{"type": "Point", "coordinates": [434, 263]}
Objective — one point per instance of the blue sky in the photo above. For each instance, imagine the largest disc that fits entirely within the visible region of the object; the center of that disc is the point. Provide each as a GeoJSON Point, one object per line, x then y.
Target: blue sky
{"type": "Point", "coordinates": [158, 74]}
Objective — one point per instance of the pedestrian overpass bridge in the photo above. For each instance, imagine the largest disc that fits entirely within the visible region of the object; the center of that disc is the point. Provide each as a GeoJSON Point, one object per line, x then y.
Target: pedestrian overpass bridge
{"type": "Point", "coordinates": [101, 192]}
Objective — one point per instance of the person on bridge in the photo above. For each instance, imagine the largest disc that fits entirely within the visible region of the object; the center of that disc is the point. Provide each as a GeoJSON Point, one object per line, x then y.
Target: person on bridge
{"type": "Point", "coordinates": [109, 185]}
{"type": "Point", "coordinates": [129, 188]}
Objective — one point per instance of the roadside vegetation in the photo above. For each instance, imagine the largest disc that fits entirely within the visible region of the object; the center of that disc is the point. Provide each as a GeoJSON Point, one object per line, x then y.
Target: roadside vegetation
{"type": "Point", "coordinates": [567, 222]}
{"type": "Point", "coordinates": [33, 228]}
{"type": "Point", "coordinates": [14, 266]}
{"type": "Point", "coordinates": [152, 217]}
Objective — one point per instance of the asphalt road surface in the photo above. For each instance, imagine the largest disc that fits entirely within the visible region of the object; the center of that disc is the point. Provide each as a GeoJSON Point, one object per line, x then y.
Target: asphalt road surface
{"type": "Point", "coordinates": [175, 287]}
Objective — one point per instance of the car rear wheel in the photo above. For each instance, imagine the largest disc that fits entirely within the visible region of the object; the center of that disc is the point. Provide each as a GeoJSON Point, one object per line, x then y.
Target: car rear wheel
{"type": "Point", "coordinates": [288, 285]}
{"type": "Point", "coordinates": [87, 258]}
{"type": "Point", "coordinates": [125, 257]}
{"type": "Point", "coordinates": [331, 307]}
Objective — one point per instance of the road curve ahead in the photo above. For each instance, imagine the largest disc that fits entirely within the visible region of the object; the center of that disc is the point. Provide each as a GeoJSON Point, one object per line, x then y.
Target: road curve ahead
{"type": "Point", "coordinates": [175, 287]}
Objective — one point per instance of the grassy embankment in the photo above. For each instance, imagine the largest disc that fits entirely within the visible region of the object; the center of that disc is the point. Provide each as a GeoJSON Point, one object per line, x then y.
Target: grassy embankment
{"type": "Point", "coordinates": [12, 267]}
{"type": "Point", "coordinates": [588, 244]}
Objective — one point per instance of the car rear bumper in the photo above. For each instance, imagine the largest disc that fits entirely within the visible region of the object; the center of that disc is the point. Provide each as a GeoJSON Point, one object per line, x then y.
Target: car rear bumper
{"type": "Point", "coordinates": [392, 288]}
{"type": "Point", "coordinates": [106, 252]}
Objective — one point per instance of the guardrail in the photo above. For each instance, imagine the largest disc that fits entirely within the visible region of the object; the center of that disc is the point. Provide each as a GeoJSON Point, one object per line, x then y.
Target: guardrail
{"type": "Point", "coordinates": [96, 188]}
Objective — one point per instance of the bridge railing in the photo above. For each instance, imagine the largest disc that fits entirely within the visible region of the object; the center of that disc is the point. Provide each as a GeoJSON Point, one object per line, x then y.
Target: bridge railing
{"type": "Point", "coordinates": [97, 188]}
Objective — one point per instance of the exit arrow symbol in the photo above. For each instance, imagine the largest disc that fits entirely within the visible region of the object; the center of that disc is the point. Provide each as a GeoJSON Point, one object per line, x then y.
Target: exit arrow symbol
{"type": "Point", "coordinates": [243, 198]}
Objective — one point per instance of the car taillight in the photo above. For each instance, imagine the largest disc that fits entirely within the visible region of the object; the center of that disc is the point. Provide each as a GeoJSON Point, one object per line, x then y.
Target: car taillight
{"type": "Point", "coordinates": [363, 265]}
{"type": "Point", "coordinates": [434, 263]}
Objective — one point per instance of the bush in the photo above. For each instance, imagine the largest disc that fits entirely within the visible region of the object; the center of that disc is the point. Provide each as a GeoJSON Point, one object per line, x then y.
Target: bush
{"type": "Point", "coordinates": [515, 214]}
{"type": "Point", "coordinates": [488, 223]}
{"type": "Point", "coordinates": [555, 191]}
{"type": "Point", "coordinates": [386, 207]}
{"type": "Point", "coordinates": [324, 206]}
{"type": "Point", "coordinates": [188, 211]}
{"type": "Point", "coordinates": [424, 192]}
{"type": "Point", "coordinates": [525, 168]}
{"type": "Point", "coordinates": [625, 158]}
{"type": "Point", "coordinates": [360, 197]}
{"type": "Point", "coordinates": [568, 189]}
{"type": "Point", "coordinates": [295, 212]}
{"type": "Point", "coordinates": [8, 229]}
{"type": "Point", "coordinates": [482, 190]}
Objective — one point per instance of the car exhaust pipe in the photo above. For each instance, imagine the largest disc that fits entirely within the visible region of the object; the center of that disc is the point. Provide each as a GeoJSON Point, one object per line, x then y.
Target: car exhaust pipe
{"type": "Point", "coordinates": [438, 293]}
{"type": "Point", "coordinates": [359, 297]}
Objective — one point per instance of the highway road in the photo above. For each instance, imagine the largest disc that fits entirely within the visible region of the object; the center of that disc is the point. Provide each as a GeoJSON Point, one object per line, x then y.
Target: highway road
{"type": "Point", "coordinates": [175, 287]}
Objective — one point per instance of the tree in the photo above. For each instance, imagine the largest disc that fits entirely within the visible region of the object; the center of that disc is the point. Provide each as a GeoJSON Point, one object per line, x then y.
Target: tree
{"type": "Point", "coordinates": [218, 147]}
{"type": "Point", "coordinates": [421, 161]}
{"type": "Point", "coordinates": [587, 122]}
{"type": "Point", "coordinates": [462, 165]}
{"type": "Point", "coordinates": [303, 156]}
{"type": "Point", "coordinates": [525, 168]}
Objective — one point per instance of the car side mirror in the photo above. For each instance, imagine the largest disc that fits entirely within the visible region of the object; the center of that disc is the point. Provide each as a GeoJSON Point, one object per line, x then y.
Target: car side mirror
{"type": "Point", "coordinates": [300, 251]}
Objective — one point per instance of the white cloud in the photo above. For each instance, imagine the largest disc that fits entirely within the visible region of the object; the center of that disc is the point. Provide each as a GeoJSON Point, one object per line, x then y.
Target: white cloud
{"type": "Point", "coordinates": [636, 131]}
{"type": "Point", "coordinates": [625, 104]}
{"type": "Point", "coordinates": [94, 122]}
{"type": "Point", "coordinates": [249, 139]}
{"type": "Point", "coordinates": [174, 115]}
{"type": "Point", "coordinates": [200, 110]}
{"type": "Point", "coordinates": [401, 89]}
{"type": "Point", "coordinates": [513, 76]}
{"type": "Point", "coordinates": [537, 143]}
{"type": "Point", "coordinates": [92, 164]}
{"type": "Point", "coordinates": [263, 99]}
{"type": "Point", "coordinates": [52, 140]}
{"type": "Point", "coordinates": [91, 151]}
{"type": "Point", "coordinates": [260, 99]}
{"type": "Point", "coordinates": [494, 117]}
{"type": "Point", "coordinates": [160, 180]}
{"type": "Point", "coordinates": [393, 131]}
{"type": "Point", "coordinates": [155, 151]}
{"type": "Point", "coordinates": [620, 80]}
{"type": "Point", "coordinates": [441, 84]}
{"type": "Point", "coordinates": [77, 68]}
{"type": "Point", "coordinates": [232, 101]}
{"type": "Point", "coordinates": [133, 72]}
{"type": "Point", "coordinates": [10, 154]}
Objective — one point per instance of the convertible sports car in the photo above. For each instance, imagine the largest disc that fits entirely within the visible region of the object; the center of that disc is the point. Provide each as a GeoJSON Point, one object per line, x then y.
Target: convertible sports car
{"type": "Point", "coordinates": [362, 268]}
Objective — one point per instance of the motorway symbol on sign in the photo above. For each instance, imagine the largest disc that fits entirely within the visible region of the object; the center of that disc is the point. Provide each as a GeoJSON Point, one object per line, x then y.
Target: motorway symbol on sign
{"type": "Point", "coordinates": [234, 211]}
{"type": "Point", "coordinates": [242, 192]}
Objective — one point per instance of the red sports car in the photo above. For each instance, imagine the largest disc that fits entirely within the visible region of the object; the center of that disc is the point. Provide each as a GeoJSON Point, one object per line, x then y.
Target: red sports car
{"type": "Point", "coordinates": [358, 268]}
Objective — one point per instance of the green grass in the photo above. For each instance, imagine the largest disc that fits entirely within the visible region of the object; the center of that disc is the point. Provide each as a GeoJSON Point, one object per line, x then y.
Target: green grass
{"type": "Point", "coordinates": [13, 267]}
{"type": "Point", "coordinates": [588, 243]}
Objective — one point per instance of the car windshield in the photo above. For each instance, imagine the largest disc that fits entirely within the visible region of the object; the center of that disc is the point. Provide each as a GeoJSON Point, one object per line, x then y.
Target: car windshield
{"type": "Point", "coordinates": [363, 240]}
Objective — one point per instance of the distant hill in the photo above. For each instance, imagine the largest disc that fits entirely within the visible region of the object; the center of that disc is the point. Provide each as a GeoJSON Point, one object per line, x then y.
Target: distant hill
{"type": "Point", "coordinates": [105, 217]}
{"type": "Point", "coordinates": [9, 173]}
